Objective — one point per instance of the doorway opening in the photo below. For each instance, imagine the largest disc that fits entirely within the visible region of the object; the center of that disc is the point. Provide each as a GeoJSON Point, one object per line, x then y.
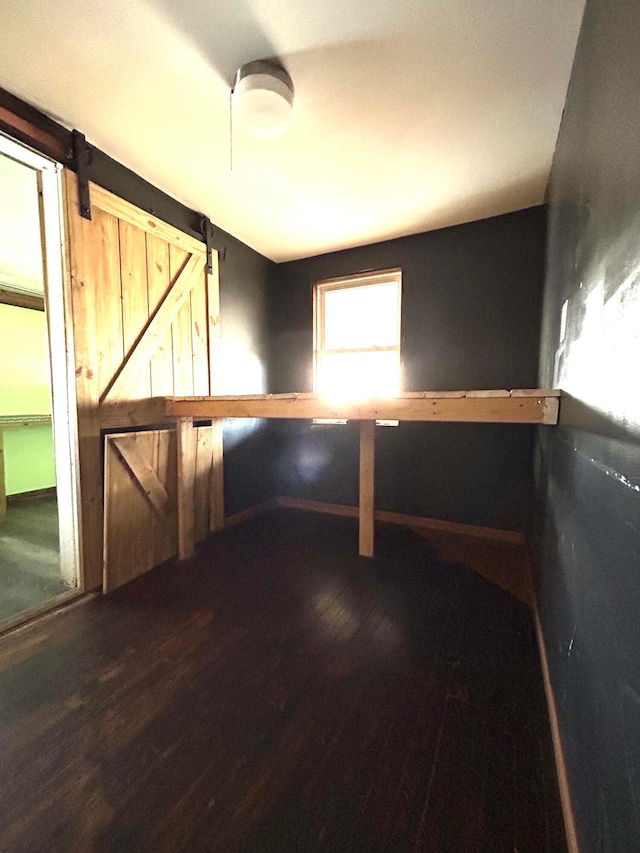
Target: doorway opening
{"type": "Point", "coordinates": [39, 546]}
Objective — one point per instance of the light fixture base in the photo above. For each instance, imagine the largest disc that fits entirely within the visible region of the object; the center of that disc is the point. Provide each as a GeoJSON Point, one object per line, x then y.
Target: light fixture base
{"type": "Point", "coordinates": [262, 98]}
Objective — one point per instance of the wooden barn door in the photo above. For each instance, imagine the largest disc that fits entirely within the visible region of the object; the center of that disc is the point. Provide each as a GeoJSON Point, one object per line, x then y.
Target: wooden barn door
{"type": "Point", "coordinates": [145, 325]}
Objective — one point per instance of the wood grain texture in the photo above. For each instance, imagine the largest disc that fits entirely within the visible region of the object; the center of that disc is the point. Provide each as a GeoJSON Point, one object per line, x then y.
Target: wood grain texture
{"type": "Point", "coordinates": [89, 269]}
{"type": "Point", "coordinates": [21, 300]}
{"type": "Point", "coordinates": [141, 330]}
{"type": "Point", "coordinates": [184, 275]}
{"type": "Point", "coordinates": [181, 325]}
{"type": "Point", "coordinates": [367, 488]}
{"type": "Point", "coordinates": [142, 469]}
{"type": "Point", "coordinates": [135, 304]}
{"type": "Point", "coordinates": [140, 504]}
{"type": "Point", "coordinates": [213, 324]}
{"type": "Point", "coordinates": [104, 289]}
{"type": "Point", "coordinates": [119, 523]}
{"type": "Point", "coordinates": [202, 482]}
{"type": "Point", "coordinates": [558, 750]}
{"type": "Point", "coordinates": [132, 413]}
{"type": "Point", "coordinates": [494, 392]}
{"type": "Point", "coordinates": [199, 336]}
{"type": "Point", "coordinates": [216, 501]}
{"type": "Point", "coordinates": [417, 521]}
{"type": "Point", "coordinates": [465, 409]}
{"type": "Point", "coordinates": [165, 533]}
{"type": "Point", "coordinates": [142, 498]}
{"type": "Point", "coordinates": [271, 696]}
{"type": "Point", "coordinates": [124, 210]}
{"type": "Point", "coordinates": [551, 410]}
{"type": "Point", "coordinates": [14, 124]}
{"type": "Point", "coordinates": [186, 455]}
{"type": "Point", "coordinates": [158, 285]}
{"type": "Point", "coordinates": [536, 392]}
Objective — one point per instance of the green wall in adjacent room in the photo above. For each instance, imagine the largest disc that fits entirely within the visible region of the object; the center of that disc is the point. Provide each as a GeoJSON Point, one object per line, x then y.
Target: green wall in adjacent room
{"type": "Point", "coordinates": [28, 462]}
{"type": "Point", "coordinates": [24, 362]}
{"type": "Point", "coordinates": [24, 390]}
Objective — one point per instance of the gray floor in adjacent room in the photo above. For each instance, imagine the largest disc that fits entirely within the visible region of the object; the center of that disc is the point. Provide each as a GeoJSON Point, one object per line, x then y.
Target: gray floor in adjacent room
{"type": "Point", "coordinates": [29, 557]}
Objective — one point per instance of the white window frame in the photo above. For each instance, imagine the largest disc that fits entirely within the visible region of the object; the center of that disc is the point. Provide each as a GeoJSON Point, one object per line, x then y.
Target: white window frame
{"type": "Point", "coordinates": [364, 279]}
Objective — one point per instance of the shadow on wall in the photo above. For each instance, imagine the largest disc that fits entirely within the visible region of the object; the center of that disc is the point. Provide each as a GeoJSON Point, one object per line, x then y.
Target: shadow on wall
{"type": "Point", "coordinates": [248, 464]}
{"type": "Point", "coordinates": [448, 471]}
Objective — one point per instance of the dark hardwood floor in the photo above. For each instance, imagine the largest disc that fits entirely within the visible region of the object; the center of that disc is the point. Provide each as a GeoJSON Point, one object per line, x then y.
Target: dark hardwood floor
{"type": "Point", "coordinates": [279, 693]}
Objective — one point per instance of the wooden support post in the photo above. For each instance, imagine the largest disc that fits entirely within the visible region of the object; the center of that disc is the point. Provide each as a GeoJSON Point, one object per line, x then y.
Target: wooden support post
{"type": "Point", "coordinates": [367, 464]}
{"type": "Point", "coordinates": [186, 447]}
{"type": "Point", "coordinates": [216, 503]}
{"type": "Point", "coordinates": [3, 492]}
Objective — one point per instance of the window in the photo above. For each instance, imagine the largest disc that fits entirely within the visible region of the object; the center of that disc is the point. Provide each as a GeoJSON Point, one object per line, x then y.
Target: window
{"type": "Point", "coordinates": [357, 336]}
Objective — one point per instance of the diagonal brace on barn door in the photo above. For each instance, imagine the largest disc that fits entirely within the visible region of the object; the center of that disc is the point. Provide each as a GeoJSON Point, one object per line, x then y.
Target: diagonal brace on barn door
{"type": "Point", "coordinates": [142, 472]}
{"type": "Point", "coordinates": [158, 324]}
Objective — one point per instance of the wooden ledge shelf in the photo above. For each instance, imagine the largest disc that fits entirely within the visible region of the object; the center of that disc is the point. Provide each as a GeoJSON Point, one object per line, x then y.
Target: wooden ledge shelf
{"type": "Point", "coordinates": [520, 406]}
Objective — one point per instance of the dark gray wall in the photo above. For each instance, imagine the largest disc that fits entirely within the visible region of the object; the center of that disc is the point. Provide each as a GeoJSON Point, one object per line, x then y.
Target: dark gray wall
{"type": "Point", "coordinates": [244, 283]}
{"type": "Point", "coordinates": [471, 303]}
{"type": "Point", "coordinates": [588, 469]}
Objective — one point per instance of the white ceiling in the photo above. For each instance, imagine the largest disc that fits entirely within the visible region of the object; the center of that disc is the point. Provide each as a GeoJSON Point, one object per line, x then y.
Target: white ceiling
{"type": "Point", "coordinates": [410, 114]}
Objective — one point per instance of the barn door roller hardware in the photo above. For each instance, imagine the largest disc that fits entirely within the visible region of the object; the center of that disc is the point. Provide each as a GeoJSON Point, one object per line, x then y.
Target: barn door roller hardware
{"type": "Point", "coordinates": [82, 157]}
{"type": "Point", "coordinates": [207, 230]}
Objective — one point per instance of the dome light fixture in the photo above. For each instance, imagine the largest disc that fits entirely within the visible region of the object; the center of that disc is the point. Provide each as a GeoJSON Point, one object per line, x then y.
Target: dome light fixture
{"type": "Point", "coordinates": [262, 98]}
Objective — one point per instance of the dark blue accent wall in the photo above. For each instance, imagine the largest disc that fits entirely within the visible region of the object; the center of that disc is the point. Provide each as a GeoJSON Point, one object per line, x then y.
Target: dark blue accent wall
{"type": "Point", "coordinates": [588, 468]}
{"type": "Point", "coordinates": [244, 287]}
{"type": "Point", "coordinates": [471, 306]}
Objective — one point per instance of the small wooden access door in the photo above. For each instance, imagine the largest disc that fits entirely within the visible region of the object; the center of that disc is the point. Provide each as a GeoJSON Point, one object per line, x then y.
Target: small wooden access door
{"type": "Point", "coordinates": [145, 325]}
{"type": "Point", "coordinates": [140, 499]}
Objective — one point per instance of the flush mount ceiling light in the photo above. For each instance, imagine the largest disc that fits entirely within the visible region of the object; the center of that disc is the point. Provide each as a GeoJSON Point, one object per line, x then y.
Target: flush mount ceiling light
{"type": "Point", "coordinates": [262, 98]}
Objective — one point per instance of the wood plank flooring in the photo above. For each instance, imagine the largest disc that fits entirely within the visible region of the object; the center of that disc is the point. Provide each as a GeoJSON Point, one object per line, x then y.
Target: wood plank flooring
{"type": "Point", "coordinates": [279, 693]}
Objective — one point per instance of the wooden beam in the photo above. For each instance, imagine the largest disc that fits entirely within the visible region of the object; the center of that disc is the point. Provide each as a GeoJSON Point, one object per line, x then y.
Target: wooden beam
{"type": "Point", "coordinates": [533, 410]}
{"type": "Point", "coordinates": [551, 410]}
{"type": "Point", "coordinates": [420, 521]}
{"type": "Point", "coordinates": [494, 392]}
{"type": "Point", "coordinates": [21, 300]}
{"type": "Point", "coordinates": [213, 324]}
{"type": "Point", "coordinates": [27, 131]}
{"type": "Point", "coordinates": [133, 413]}
{"type": "Point", "coordinates": [216, 501]}
{"type": "Point", "coordinates": [142, 351]}
{"type": "Point", "coordinates": [251, 512]}
{"type": "Point", "coordinates": [186, 449]}
{"type": "Point", "coordinates": [536, 392]}
{"type": "Point", "coordinates": [367, 467]}
{"type": "Point", "coordinates": [124, 210]}
{"type": "Point", "coordinates": [556, 739]}
{"type": "Point", "coordinates": [142, 471]}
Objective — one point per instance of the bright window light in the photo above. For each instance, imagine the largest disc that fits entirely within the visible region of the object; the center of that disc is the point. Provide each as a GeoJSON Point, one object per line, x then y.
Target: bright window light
{"type": "Point", "coordinates": [357, 336]}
